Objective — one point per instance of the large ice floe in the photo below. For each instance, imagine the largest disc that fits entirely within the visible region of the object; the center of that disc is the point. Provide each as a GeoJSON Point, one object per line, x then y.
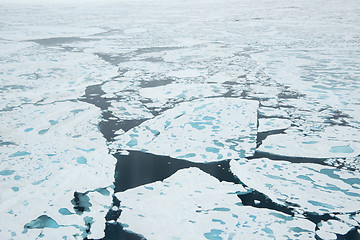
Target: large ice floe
{"type": "Point", "coordinates": [303, 186]}
{"type": "Point", "coordinates": [49, 158]}
{"type": "Point", "coordinates": [204, 130]}
{"type": "Point", "coordinates": [331, 142]}
{"type": "Point", "coordinates": [194, 205]}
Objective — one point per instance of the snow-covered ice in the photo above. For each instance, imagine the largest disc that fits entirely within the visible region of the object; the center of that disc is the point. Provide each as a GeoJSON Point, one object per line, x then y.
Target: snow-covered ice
{"type": "Point", "coordinates": [129, 110]}
{"type": "Point", "coordinates": [52, 153]}
{"type": "Point", "coordinates": [271, 124]}
{"type": "Point", "coordinates": [205, 209]}
{"type": "Point", "coordinates": [203, 81]}
{"type": "Point", "coordinates": [203, 130]}
{"type": "Point", "coordinates": [330, 143]}
{"type": "Point", "coordinates": [304, 186]}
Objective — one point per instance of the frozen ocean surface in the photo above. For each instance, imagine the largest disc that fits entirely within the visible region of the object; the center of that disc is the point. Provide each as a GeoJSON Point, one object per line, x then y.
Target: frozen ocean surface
{"type": "Point", "coordinates": [176, 119]}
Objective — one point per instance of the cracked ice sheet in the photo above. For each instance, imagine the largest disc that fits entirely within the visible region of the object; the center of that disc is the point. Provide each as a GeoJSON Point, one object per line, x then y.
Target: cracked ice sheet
{"type": "Point", "coordinates": [332, 142]}
{"type": "Point", "coordinates": [36, 74]}
{"type": "Point", "coordinates": [204, 130]}
{"type": "Point", "coordinates": [183, 91]}
{"type": "Point", "coordinates": [330, 77]}
{"type": "Point", "coordinates": [191, 204]}
{"type": "Point", "coordinates": [313, 187]}
{"type": "Point", "coordinates": [51, 155]}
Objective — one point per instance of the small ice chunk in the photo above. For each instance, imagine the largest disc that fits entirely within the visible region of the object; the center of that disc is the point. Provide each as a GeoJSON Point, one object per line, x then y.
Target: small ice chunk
{"type": "Point", "coordinates": [129, 110]}
{"type": "Point", "coordinates": [270, 124]}
{"type": "Point", "coordinates": [113, 87]}
{"type": "Point", "coordinates": [272, 112]}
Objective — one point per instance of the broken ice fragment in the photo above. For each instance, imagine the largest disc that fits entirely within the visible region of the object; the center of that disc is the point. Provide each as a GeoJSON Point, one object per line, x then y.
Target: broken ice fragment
{"type": "Point", "coordinates": [272, 112]}
{"type": "Point", "coordinates": [204, 207]}
{"type": "Point", "coordinates": [204, 130]}
{"type": "Point", "coordinates": [129, 110]}
{"type": "Point", "coordinates": [113, 87]}
{"type": "Point", "coordinates": [271, 124]}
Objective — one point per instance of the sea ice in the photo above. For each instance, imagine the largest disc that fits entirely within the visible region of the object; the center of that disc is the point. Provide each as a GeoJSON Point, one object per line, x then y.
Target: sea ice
{"type": "Point", "coordinates": [38, 75]}
{"type": "Point", "coordinates": [53, 155]}
{"type": "Point", "coordinates": [181, 91]}
{"type": "Point", "coordinates": [303, 186]}
{"type": "Point", "coordinates": [270, 124]}
{"type": "Point", "coordinates": [204, 130]}
{"type": "Point", "coordinates": [329, 76]}
{"type": "Point", "coordinates": [191, 204]}
{"type": "Point", "coordinates": [333, 227]}
{"type": "Point", "coordinates": [129, 110]}
{"type": "Point", "coordinates": [113, 88]}
{"type": "Point", "coordinates": [272, 112]}
{"type": "Point", "coordinates": [330, 143]}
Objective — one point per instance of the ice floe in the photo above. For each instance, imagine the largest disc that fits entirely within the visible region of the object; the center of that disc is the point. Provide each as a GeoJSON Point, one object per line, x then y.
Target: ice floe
{"type": "Point", "coordinates": [304, 186]}
{"type": "Point", "coordinates": [329, 229]}
{"type": "Point", "coordinates": [330, 78]}
{"type": "Point", "coordinates": [180, 91]}
{"type": "Point", "coordinates": [204, 130]}
{"type": "Point", "coordinates": [271, 124]}
{"type": "Point", "coordinates": [114, 88]}
{"type": "Point", "coordinates": [52, 155]}
{"type": "Point", "coordinates": [272, 112]}
{"type": "Point", "coordinates": [125, 110]}
{"type": "Point", "coordinates": [330, 143]}
{"type": "Point", "coordinates": [191, 204]}
{"type": "Point", "coordinates": [41, 75]}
